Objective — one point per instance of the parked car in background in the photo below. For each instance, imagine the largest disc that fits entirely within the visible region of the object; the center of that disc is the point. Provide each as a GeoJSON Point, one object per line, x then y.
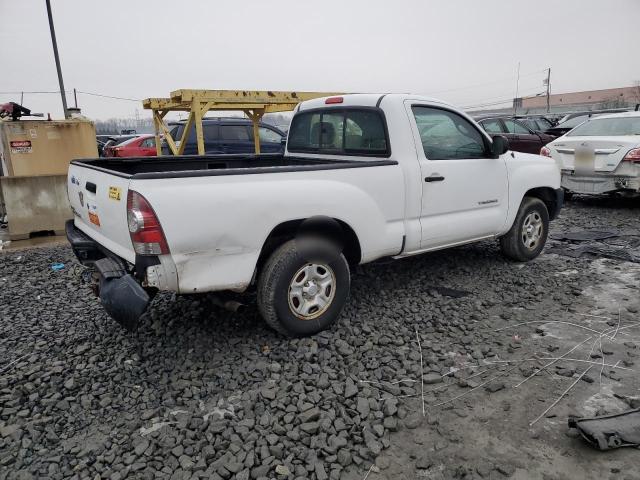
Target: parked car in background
{"type": "Point", "coordinates": [573, 119]}
{"type": "Point", "coordinates": [536, 123]}
{"type": "Point", "coordinates": [571, 115]}
{"type": "Point", "coordinates": [101, 140]}
{"type": "Point", "coordinates": [601, 155]}
{"type": "Point", "coordinates": [521, 138]}
{"type": "Point", "coordinates": [139, 146]}
{"type": "Point", "coordinates": [567, 125]}
{"type": "Point", "coordinates": [228, 135]}
{"type": "Point", "coordinates": [113, 141]}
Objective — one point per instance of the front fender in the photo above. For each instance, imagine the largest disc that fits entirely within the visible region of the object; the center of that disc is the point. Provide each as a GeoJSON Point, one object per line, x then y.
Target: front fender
{"type": "Point", "coordinates": [527, 172]}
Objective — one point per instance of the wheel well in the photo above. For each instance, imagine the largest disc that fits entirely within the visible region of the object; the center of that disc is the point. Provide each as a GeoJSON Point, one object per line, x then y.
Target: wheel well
{"type": "Point", "coordinates": [548, 196]}
{"type": "Point", "coordinates": [327, 227]}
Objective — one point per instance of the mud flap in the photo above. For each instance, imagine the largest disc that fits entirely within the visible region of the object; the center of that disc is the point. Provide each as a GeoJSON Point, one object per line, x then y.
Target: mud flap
{"type": "Point", "coordinates": [610, 431]}
{"type": "Point", "coordinates": [124, 300]}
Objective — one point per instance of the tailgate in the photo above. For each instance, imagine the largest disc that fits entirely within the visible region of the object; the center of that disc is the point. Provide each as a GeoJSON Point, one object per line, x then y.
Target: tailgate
{"type": "Point", "coordinates": [99, 201]}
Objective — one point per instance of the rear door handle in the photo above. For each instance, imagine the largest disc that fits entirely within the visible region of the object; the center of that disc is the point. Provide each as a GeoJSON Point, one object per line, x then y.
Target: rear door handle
{"type": "Point", "coordinates": [434, 178]}
{"type": "Point", "coordinates": [91, 187]}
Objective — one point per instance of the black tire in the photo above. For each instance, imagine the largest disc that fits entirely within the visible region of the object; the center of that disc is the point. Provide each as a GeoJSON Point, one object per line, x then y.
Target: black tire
{"type": "Point", "coordinates": [276, 278]}
{"type": "Point", "coordinates": [515, 244]}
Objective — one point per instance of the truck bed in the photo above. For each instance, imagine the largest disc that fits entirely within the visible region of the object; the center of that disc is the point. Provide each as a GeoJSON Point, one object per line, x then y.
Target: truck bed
{"type": "Point", "coordinates": [214, 165]}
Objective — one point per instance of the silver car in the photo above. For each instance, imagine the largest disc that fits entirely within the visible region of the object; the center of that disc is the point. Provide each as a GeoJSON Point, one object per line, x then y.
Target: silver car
{"type": "Point", "coordinates": [601, 155]}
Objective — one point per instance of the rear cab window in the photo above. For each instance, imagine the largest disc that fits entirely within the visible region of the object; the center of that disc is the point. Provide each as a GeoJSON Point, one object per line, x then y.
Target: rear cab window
{"type": "Point", "coordinates": [358, 131]}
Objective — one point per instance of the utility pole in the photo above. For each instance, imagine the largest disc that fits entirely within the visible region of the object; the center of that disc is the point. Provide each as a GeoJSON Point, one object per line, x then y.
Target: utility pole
{"type": "Point", "coordinates": [548, 88]}
{"type": "Point", "coordinates": [515, 100]}
{"type": "Point", "coordinates": [75, 98]}
{"type": "Point", "coordinates": [57, 58]}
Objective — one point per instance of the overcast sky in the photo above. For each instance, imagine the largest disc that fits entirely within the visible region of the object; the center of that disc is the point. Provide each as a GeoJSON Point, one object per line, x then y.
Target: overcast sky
{"type": "Point", "coordinates": [465, 52]}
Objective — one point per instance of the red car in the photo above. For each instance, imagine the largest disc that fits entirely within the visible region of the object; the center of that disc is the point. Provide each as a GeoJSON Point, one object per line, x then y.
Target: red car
{"type": "Point", "coordinates": [140, 146]}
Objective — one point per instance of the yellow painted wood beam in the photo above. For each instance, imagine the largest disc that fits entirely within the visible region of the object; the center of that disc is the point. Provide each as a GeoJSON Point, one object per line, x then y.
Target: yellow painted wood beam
{"type": "Point", "coordinates": [255, 115]}
{"type": "Point", "coordinates": [185, 133]}
{"type": "Point", "coordinates": [246, 96]}
{"type": "Point", "coordinates": [196, 109]}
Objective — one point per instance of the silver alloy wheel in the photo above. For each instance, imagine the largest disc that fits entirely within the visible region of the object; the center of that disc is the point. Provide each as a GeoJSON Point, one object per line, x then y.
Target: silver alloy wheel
{"type": "Point", "coordinates": [311, 290]}
{"type": "Point", "coordinates": [532, 229]}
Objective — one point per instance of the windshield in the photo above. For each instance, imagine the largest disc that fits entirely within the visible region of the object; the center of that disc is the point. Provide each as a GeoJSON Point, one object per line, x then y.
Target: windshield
{"type": "Point", "coordinates": [601, 127]}
{"type": "Point", "coordinates": [127, 142]}
{"type": "Point", "coordinates": [573, 122]}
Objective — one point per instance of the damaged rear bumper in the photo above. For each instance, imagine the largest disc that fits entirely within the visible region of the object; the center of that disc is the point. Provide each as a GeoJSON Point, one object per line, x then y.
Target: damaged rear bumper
{"type": "Point", "coordinates": [118, 285]}
{"type": "Point", "coordinates": [599, 183]}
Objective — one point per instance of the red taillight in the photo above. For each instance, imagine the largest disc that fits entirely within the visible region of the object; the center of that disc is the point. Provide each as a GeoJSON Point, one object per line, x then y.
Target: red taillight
{"type": "Point", "coordinates": [144, 227]}
{"type": "Point", "coordinates": [545, 152]}
{"type": "Point", "coordinates": [331, 100]}
{"type": "Point", "coordinates": [632, 156]}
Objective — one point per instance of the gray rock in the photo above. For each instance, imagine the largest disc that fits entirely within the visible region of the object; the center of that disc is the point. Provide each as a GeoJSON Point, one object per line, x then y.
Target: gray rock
{"type": "Point", "coordinates": [494, 386]}
{"type": "Point", "coordinates": [350, 389]}
{"type": "Point", "coordinates": [362, 405]}
{"type": "Point", "coordinates": [344, 457]}
{"type": "Point", "coordinates": [413, 421]}
{"type": "Point", "coordinates": [321, 473]}
{"type": "Point", "coordinates": [310, 427]}
{"type": "Point", "coordinates": [432, 378]}
{"type": "Point", "coordinates": [310, 415]}
{"type": "Point", "coordinates": [424, 462]}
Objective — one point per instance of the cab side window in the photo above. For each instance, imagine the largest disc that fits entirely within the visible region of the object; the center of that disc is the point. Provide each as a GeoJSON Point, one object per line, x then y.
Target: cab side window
{"type": "Point", "coordinates": [446, 135]}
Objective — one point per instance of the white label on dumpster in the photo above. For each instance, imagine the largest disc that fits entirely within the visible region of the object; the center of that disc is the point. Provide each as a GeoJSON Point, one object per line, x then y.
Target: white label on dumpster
{"type": "Point", "coordinates": [33, 132]}
{"type": "Point", "coordinates": [16, 129]}
{"type": "Point", "coordinates": [20, 146]}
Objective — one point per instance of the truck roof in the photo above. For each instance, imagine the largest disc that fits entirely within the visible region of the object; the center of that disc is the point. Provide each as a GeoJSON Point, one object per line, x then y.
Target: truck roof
{"type": "Point", "coordinates": [367, 100]}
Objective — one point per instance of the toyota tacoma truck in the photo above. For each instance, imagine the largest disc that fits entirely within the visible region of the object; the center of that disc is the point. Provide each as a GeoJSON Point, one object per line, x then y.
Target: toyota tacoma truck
{"type": "Point", "coordinates": [363, 176]}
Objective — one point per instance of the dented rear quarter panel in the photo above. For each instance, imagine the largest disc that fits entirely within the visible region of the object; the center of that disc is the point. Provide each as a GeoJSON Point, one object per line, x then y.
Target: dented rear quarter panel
{"type": "Point", "coordinates": [216, 226]}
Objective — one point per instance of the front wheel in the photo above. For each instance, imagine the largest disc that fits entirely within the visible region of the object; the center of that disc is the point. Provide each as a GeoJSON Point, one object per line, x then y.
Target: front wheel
{"type": "Point", "coordinates": [303, 287]}
{"type": "Point", "coordinates": [528, 234]}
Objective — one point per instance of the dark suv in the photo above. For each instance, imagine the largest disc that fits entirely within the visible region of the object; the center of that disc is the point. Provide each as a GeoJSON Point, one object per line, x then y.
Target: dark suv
{"type": "Point", "coordinates": [228, 135]}
{"type": "Point", "coordinates": [521, 138]}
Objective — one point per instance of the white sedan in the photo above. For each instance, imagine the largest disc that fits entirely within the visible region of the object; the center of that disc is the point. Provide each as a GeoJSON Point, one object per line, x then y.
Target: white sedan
{"type": "Point", "coordinates": [601, 155]}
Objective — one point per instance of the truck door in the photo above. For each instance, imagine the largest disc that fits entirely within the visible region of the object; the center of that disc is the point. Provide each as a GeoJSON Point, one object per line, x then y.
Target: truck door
{"type": "Point", "coordinates": [464, 190]}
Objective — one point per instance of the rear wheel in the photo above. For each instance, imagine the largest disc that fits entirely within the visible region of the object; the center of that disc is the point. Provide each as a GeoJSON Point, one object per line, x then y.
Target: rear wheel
{"type": "Point", "coordinates": [301, 291]}
{"type": "Point", "coordinates": [528, 234]}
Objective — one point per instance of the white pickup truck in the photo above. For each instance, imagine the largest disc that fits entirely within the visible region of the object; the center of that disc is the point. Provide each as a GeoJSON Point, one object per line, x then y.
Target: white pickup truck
{"type": "Point", "coordinates": [363, 177]}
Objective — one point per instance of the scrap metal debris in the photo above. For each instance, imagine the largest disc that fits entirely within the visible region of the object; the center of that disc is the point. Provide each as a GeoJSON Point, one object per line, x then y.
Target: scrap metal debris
{"type": "Point", "coordinates": [610, 431]}
{"type": "Point", "coordinates": [596, 244]}
{"type": "Point", "coordinates": [585, 235]}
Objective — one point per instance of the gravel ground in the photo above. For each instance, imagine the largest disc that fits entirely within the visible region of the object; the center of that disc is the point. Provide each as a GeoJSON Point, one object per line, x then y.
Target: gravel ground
{"type": "Point", "coordinates": [199, 392]}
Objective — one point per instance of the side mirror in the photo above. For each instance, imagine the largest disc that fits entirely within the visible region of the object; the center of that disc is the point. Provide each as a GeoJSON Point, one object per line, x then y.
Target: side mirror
{"type": "Point", "coordinates": [283, 141]}
{"type": "Point", "coordinates": [499, 145]}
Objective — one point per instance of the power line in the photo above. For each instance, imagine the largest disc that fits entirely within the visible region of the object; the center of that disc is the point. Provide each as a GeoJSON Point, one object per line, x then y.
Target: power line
{"type": "Point", "coordinates": [18, 93]}
{"type": "Point", "coordinates": [69, 91]}
{"type": "Point", "coordinates": [487, 83]}
{"type": "Point", "coordinates": [110, 96]}
{"type": "Point", "coordinates": [490, 102]}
